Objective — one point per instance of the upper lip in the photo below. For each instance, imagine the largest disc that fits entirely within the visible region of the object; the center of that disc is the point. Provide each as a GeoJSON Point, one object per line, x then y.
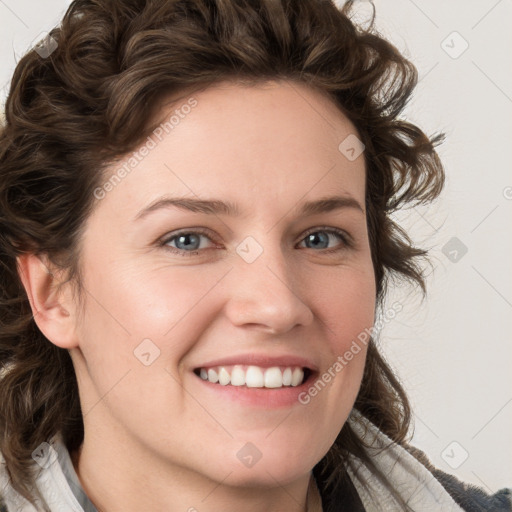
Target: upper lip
{"type": "Point", "coordinates": [265, 361]}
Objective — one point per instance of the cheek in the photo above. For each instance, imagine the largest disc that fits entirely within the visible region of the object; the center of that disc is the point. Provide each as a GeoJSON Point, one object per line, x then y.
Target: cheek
{"type": "Point", "coordinates": [345, 304]}
{"type": "Point", "coordinates": [137, 325]}
{"type": "Point", "coordinates": [145, 303]}
{"type": "Point", "coordinates": [135, 315]}
{"type": "Point", "coordinates": [347, 312]}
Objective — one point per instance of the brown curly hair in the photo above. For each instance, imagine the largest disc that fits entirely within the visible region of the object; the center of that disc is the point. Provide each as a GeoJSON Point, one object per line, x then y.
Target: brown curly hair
{"type": "Point", "coordinates": [71, 113]}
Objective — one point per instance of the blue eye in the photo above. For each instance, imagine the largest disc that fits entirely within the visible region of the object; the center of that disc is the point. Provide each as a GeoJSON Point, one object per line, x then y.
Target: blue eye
{"type": "Point", "coordinates": [320, 236]}
{"type": "Point", "coordinates": [188, 243]}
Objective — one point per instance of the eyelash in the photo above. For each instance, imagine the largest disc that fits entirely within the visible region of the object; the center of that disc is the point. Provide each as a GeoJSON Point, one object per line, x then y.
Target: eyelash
{"type": "Point", "coordinates": [344, 237]}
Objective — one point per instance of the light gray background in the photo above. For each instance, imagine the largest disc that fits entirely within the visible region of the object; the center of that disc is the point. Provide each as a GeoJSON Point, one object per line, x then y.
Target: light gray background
{"type": "Point", "coordinates": [452, 351]}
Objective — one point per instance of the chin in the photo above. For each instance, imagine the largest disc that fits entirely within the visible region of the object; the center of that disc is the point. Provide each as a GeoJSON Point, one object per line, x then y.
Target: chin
{"type": "Point", "coordinates": [266, 475]}
{"type": "Point", "coordinates": [272, 466]}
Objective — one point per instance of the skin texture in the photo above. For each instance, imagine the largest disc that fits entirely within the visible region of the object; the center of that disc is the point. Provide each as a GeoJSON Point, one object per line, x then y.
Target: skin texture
{"type": "Point", "coordinates": [155, 439]}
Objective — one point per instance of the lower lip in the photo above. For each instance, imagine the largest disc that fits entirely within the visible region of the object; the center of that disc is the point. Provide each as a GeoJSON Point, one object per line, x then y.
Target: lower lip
{"type": "Point", "coordinates": [259, 397]}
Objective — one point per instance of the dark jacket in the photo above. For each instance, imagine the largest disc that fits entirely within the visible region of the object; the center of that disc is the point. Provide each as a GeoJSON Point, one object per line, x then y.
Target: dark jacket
{"type": "Point", "coordinates": [344, 497]}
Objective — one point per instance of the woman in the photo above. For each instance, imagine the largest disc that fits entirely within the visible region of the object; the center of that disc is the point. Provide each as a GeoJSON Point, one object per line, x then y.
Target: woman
{"type": "Point", "coordinates": [196, 242]}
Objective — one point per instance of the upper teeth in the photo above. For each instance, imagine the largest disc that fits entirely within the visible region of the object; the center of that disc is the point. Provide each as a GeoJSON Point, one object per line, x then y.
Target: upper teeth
{"type": "Point", "coordinates": [253, 376]}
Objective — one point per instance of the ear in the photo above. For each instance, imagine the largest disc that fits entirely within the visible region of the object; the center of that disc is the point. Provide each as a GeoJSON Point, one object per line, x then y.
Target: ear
{"type": "Point", "coordinates": [53, 309]}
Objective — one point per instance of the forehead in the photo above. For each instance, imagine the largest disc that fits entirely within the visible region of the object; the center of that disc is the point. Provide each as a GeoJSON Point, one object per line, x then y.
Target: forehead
{"type": "Point", "coordinates": [279, 141]}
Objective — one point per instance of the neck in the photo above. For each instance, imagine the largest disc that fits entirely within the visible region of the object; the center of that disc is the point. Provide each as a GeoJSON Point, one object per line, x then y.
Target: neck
{"type": "Point", "coordinates": [123, 476]}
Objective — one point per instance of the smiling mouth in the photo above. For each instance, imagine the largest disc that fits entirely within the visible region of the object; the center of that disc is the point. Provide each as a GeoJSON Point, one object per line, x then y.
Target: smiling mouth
{"type": "Point", "coordinates": [250, 376]}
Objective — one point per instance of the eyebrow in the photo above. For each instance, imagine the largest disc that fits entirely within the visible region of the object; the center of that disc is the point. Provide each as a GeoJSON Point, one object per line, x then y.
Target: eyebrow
{"type": "Point", "coordinates": [218, 207]}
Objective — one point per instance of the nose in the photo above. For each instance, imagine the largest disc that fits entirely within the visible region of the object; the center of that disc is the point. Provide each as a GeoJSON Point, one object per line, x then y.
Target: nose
{"type": "Point", "coordinates": [267, 293]}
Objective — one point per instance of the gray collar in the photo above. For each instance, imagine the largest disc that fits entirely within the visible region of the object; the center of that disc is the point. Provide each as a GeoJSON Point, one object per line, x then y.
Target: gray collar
{"type": "Point", "coordinates": [66, 465]}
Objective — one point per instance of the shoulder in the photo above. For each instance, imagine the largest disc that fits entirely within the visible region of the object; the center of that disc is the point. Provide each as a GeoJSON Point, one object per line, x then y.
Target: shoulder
{"type": "Point", "coordinates": [10, 499]}
{"type": "Point", "coordinates": [469, 497]}
{"type": "Point", "coordinates": [473, 498]}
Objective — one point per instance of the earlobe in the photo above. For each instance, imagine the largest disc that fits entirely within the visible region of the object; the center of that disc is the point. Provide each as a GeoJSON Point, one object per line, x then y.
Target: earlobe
{"type": "Point", "coordinates": [49, 306]}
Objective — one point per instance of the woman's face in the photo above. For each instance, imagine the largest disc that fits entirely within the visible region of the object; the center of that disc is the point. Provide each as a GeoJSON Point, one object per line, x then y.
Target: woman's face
{"type": "Point", "coordinates": [175, 294]}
